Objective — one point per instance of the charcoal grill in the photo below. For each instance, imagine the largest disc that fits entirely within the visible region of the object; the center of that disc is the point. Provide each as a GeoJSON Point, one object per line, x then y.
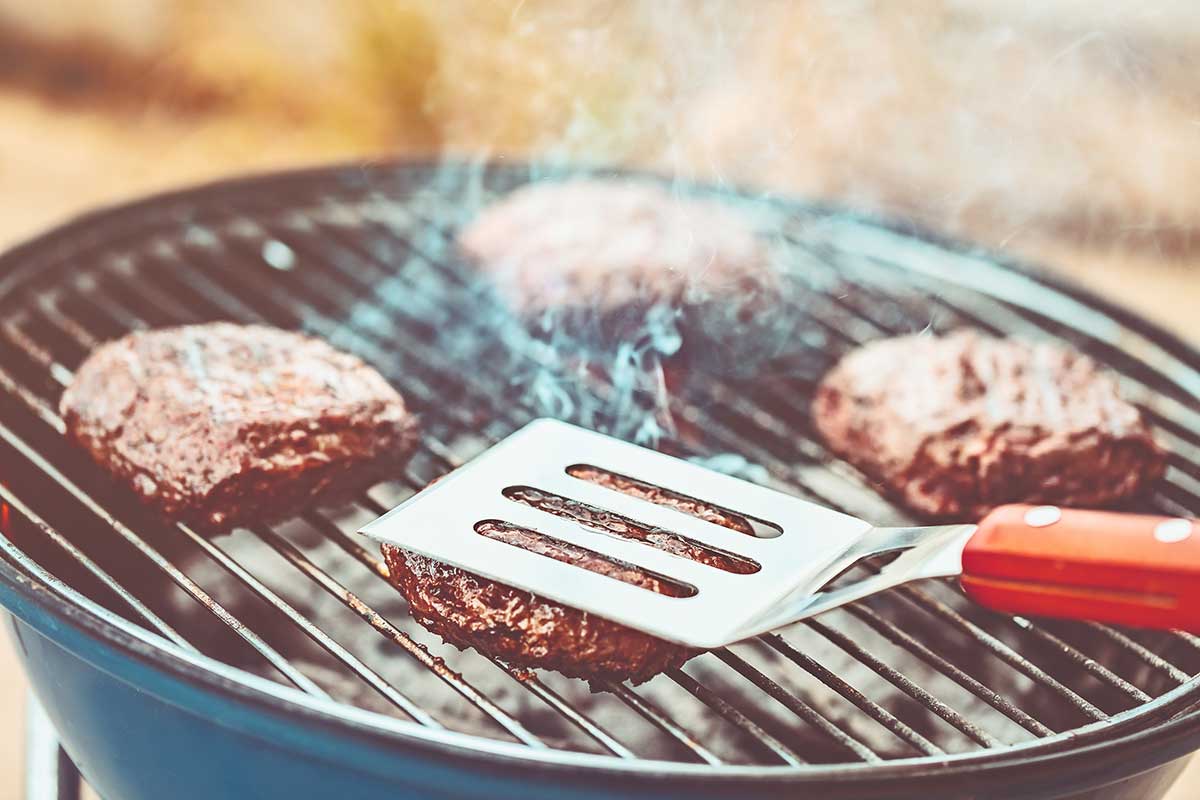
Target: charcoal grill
{"type": "Point", "coordinates": [278, 663]}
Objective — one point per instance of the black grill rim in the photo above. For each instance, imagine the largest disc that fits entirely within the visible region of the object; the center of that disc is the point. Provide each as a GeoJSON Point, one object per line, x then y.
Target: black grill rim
{"type": "Point", "coordinates": [1175, 732]}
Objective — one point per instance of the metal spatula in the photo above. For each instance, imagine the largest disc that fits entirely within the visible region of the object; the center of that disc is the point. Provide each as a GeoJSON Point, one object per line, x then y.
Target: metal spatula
{"type": "Point", "coordinates": [647, 533]}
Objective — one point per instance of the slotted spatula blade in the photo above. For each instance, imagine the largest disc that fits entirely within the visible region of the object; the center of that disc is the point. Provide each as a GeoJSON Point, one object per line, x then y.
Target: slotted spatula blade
{"type": "Point", "coordinates": [799, 550]}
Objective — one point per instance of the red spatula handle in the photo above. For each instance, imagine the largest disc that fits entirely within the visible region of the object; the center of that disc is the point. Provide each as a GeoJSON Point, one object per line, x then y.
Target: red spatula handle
{"type": "Point", "coordinates": [1128, 569]}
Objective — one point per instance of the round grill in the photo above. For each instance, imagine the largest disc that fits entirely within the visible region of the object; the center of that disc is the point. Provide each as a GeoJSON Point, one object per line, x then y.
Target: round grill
{"type": "Point", "coordinates": [364, 259]}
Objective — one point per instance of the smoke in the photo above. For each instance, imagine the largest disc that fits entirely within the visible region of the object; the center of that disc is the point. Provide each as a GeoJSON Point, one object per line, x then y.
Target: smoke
{"type": "Point", "coordinates": [609, 324]}
{"type": "Point", "coordinates": [986, 119]}
{"type": "Point", "coordinates": [981, 119]}
{"type": "Point", "coordinates": [582, 82]}
{"type": "Point", "coordinates": [579, 88]}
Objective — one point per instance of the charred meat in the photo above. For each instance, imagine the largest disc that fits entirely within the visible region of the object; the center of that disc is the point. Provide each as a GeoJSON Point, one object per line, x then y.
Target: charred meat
{"type": "Point", "coordinates": [605, 261]}
{"type": "Point", "coordinates": [220, 425]}
{"type": "Point", "coordinates": [954, 426]}
{"type": "Point", "coordinates": [611, 243]}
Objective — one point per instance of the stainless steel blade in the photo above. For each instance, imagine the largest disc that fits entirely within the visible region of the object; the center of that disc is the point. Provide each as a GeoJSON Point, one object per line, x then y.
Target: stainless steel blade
{"type": "Point", "coordinates": [440, 521]}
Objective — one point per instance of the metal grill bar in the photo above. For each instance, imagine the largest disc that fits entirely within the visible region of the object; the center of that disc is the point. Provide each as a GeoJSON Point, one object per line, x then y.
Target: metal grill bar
{"type": "Point", "coordinates": [728, 438]}
{"type": "Point", "coordinates": [726, 395]}
{"type": "Point", "coordinates": [112, 584]}
{"type": "Point", "coordinates": [824, 725]}
{"type": "Point", "coordinates": [898, 637]}
{"type": "Point", "coordinates": [860, 700]}
{"type": "Point", "coordinates": [392, 633]}
{"type": "Point", "coordinates": [900, 681]}
{"type": "Point", "coordinates": [1029, 668]}
{"type": "Point", "coordinates": [530, 681]}
{"type": "Point", "coordinates": [373, 679]}
{"type": "Point", "coordinates": [1032, 671]}
{"type": "Point", "coordinates": [13, 331]}
{"type": "Point", "coordinates": [797, 706]}
{"type": "Point", "coordinates": [17, 389]}
{"type": "Point", "coordinates": [45, 302]}
{"type": "Point", "coordinates": [314, 632]}
{"type": "Point", "coordinates": [1091, 665]}
{"type": "Point", "coordinates": [1141, 651]}
{"type": "Point", "coordinates": [656, 717]}
{"type": "Point", "coordinates": [921, 599]}
{"type": "Point", "coordinates": [329, 289]}
{"type": "Point", "coordinates": [567, 711]}
{"type": "Point", "coordinates": [272, 656]}
{"type": "Point", "coordinates": [227, 275]}
{"type": "Point", "coordinates": [326, 642]}
{"type": "Point", "coordinates": [705, 695]}
{"type": "Point", "coordinates": [352, 547]}
{"type": "Point", "coordinates": [594, 731]}
{"type": "Point", "coordinates": [1181, 454]}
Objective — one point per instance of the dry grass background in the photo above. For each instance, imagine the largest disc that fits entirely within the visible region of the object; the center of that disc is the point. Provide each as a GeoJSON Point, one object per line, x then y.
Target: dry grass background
{"type": "Point", "coordinates": [1065, 131]}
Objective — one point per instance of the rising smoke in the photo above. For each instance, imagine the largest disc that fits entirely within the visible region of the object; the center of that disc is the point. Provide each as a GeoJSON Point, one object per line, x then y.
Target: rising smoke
{"type": "Point", "coordinates": [978, 118]}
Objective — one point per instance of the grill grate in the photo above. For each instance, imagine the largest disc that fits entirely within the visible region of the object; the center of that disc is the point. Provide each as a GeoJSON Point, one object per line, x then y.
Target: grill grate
{"type": "Point", "coordinates": [366, 262]}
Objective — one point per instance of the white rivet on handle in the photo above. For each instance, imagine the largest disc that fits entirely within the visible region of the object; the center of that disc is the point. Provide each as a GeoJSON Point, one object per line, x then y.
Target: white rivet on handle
{"type": "Point", "coordinates": [1042, 516]}
{"type": "Point", "coordinates": [1173, 530]}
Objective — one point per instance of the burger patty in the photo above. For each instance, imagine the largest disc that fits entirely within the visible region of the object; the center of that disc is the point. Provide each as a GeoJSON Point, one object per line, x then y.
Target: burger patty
{"type": "Point", "coordinates": [611, 243]}
{"type": "Point", "coordinates": [219, 425]}
{"type": "Point", "coordinates": [620, 260]}
{"type": "Point", "coordinates": [955, 426]}
{"type": "Point", "coordinates": [523, 629]}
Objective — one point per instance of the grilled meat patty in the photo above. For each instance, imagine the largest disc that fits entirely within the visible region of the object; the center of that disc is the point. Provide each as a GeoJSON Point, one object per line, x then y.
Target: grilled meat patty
{"type": "Point", "coordinates": [521, 628]}
{"type": "Point", "coordinates": [608, 260]}
{"type": "Point", "coordinates": [220, 425]}
{"type": "Point", "coordinates": [954, 426]}
{"type": "Point", "coordinates": [611, 243]}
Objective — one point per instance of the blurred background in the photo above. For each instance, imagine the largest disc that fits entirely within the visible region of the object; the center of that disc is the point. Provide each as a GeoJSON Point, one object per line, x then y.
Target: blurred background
{"type": "Point", "coordinates": [1066, 132]}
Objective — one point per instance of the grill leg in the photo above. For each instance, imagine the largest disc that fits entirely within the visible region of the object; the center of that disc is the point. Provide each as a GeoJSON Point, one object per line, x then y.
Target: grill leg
{"type": "Point", "coordinates": [49, 773]}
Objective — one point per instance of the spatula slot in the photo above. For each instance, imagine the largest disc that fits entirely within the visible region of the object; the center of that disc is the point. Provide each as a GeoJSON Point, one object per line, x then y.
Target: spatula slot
{"type": "Point", "coordinates": [859, 569]}
{"type": "Point", "coordinates": [660, 495]}
{"type": "Point", "coordinates": [544, 545]}
{"type": "Point", "coordinates": [609, 522]}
